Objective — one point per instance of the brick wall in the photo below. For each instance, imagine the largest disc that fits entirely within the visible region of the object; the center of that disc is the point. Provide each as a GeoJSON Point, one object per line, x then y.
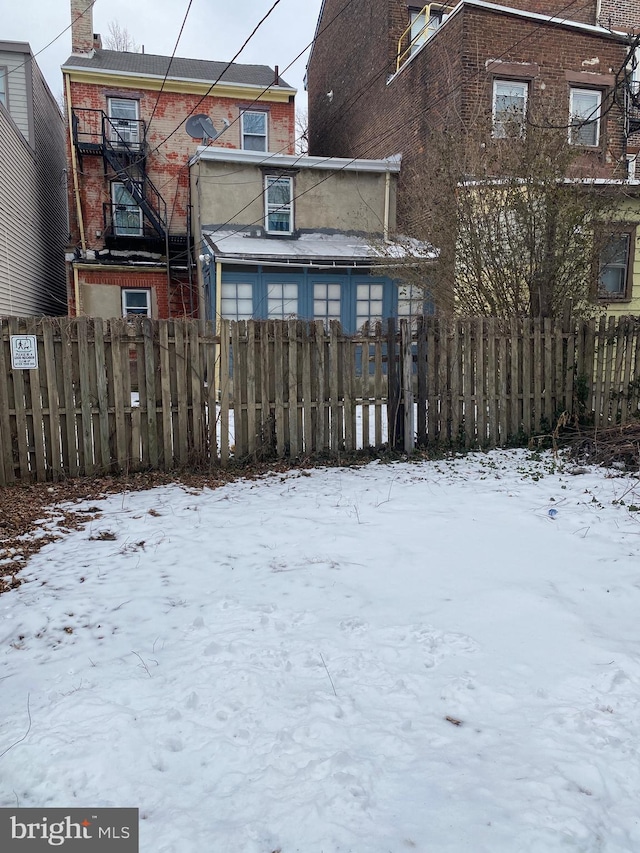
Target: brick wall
{"type": "Point", "coordinates": [621, 15]}
{"type": "Point", "coordinates": [156, 281]}
{"type": "Point", "coordinates": [583, 11]}
{"type": "Point", "coordinates": [447, 84]}
{"type": "Point", "coordinates": [168, 166]}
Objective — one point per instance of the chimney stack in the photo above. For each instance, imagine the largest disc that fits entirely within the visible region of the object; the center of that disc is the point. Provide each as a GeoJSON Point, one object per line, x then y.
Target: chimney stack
{"type": "Point", "coordinates": [82, 41]}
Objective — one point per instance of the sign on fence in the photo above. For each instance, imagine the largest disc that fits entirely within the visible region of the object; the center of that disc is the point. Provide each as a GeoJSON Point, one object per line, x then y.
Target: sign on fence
{"type": "Point", "coordinates": [24, 352]}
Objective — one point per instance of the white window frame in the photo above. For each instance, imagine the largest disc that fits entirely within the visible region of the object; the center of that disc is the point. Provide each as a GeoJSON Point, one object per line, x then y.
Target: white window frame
{"type": "Point", "coordinates": [245, 133]}
{"type": "Point", "coordinates": [498, 124]}
{"type": "Point", "coordinates": [4, 86]}
{"type": "Point", "coordinates": [121, 130]}
{"type": "Point", "coordinates": [276, 208]}
{"type": "Point", "coordinates": [140, 228]}
{"type": "Point", "coordinates": [584, 121]}
{"type": "Point", "coordinates": [137, 313]}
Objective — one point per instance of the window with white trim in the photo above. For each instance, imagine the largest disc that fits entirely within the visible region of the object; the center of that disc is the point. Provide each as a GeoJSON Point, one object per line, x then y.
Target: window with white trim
{"type": "Point", "coordinates": [127, 214]}
{"type": "Point", "coordinates": [124, 125]}
{"type": "Point", "coordinates": [136, 302]}
{"type": "Point", "coordinates": [326, 302]}
{"type": "Point", "coordinates": [509, 108]}
{"type": "Point", "coordinates": [4, 79]}
{"type": "Point", "coordinates": [614, 279]}
{"type": "Point", "coordinates": [236, 302]}
{"type": "Point", "coordinates": [584, 117]}
{"type": "Point", "coordinates": [278, 204]}
{"type": "Point", "coordinates": [254, 131]}
{"type": "Point", "coordinates": [282, 301]}
{"type": "Point", "coordinates": [368, 303]}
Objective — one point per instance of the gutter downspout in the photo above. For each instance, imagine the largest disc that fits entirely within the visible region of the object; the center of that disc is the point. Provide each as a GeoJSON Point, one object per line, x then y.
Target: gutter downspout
{"type": "Point", "coordinates": [387, 205]}
{"type": "Point", "coordinates": [218, 296]}
{"type": "Point", "coordinates": [76, 192]}
{"type": "Point", "coordinates": [76, 288]}
{"type": "Point", "coordinates": [74, 165]}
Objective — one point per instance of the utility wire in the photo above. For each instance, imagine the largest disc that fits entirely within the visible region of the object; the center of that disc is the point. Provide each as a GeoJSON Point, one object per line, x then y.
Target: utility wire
{"type": "Point", "coordinates": [175, 48]}
{"type": "Point", "coordinates": [53, 40]}
{"type": "Point", "coordinates": [393, 129]}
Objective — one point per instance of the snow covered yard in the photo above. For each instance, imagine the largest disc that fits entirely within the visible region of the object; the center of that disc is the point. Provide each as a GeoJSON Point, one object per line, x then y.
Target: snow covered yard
{"type": "Point", "coordinates": [441, 657]}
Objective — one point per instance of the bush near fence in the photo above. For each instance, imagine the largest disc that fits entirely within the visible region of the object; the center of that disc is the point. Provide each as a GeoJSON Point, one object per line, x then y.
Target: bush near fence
{"type": "Point", "coordinates": [119, 396]}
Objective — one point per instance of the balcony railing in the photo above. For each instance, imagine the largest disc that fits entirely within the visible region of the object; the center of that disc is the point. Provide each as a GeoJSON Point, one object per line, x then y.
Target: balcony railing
{"type": "Point", "coordinates": [433, 15]}
{"type": "Point", "coordinates": [92, 129]}
{"type": "Point", "coordinates": [633, 106]}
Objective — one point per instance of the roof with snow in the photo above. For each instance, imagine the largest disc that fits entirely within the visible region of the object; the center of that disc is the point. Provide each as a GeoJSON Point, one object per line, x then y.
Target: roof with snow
{"type": "Point", "coordinates": [249, 244]}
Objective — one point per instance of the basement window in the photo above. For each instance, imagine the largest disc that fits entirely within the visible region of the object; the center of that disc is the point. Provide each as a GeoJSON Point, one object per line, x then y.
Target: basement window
{"type": "Point", "coordinates": [584, 117]}
{"type": "Point", "coordinates": [136, 302]}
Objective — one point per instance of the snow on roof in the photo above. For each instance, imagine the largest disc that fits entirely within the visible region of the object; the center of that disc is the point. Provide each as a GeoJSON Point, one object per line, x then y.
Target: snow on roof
{"type": "Point", "coordinates": [251, 245]}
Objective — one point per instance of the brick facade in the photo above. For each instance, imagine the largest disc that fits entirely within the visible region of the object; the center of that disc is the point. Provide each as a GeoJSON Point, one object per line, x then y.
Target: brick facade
{"type": "Point", "coordinates": [168, 149]}
{"type": "Point", "coordinates": [372, 111]}
{"type": "Point", "coordinates": [620, 15]}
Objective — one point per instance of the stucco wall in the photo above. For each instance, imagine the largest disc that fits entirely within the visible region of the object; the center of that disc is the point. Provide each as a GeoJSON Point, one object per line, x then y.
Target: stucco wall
{"type": "Point", "coordinates": [343, 200]}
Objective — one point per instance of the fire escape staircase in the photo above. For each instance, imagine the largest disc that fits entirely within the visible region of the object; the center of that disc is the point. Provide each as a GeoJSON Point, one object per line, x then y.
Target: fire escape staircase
{"type": "Point", "coordinates": [122, 145]}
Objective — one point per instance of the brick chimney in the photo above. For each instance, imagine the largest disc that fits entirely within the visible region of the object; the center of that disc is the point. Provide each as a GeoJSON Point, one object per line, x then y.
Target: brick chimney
{"type": "Point", "coordinates": [82, 41]}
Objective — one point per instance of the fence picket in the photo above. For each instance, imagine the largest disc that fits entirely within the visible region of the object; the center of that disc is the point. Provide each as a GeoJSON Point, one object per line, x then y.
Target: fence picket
{"type": "Point", "coordinates": [295, 388]}
{"type": "Point", "coordinates": [7, 469]}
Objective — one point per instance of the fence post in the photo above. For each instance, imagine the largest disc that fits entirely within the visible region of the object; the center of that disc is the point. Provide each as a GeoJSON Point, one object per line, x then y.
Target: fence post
{"type": "Point", "coordinates": [395, 415]}
{"type": "Point", "coordinates": [407, 385]}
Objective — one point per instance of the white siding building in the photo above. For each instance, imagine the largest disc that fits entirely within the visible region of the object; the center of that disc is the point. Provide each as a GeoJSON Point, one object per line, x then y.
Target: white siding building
{"type": "Point", "coordinates": [33, 208]}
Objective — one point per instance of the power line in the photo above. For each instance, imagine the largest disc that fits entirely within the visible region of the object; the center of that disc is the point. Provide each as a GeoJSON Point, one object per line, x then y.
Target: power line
{"type": "Point", "coordinates": [217, 80]}
{"type": "Point", "coordinates": [393, 130]}
{"type": "Point", "coordinates": [175, 48]}
{"type": "Point", "coordinates": [60, 34]}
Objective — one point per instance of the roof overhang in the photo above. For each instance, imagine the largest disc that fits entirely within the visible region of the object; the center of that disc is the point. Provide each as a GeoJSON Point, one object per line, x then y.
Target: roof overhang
{"type": "Point", "coordinates": [292, 161]}
{"type": "Point", "coordinates": [156, 82]}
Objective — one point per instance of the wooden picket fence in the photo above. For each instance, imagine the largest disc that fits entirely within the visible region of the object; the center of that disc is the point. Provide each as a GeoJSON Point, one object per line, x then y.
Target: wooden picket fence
{"type": "Point", "coordinates": [119, 396]}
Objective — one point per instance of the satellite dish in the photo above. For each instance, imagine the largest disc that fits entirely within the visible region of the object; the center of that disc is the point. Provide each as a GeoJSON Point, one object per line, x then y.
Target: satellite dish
{"type": "Point", "coordinates": [201, 127]}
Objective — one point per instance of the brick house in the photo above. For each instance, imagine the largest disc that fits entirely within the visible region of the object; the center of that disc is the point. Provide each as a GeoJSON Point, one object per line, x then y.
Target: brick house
{"type": "Point", "coordinates": [387, 73]}
{"type": "Point", "coordinates": [33, 196]}
{"type": "Point", "coordinates": [132, 248]}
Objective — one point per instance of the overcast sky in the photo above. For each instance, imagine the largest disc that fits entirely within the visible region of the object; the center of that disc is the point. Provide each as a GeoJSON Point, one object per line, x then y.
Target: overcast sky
{"type": "Point", "coordinates": [215, 29]}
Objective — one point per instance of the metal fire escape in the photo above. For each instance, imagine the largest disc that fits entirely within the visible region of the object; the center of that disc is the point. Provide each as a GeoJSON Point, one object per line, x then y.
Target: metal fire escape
{"type": "Point", "coordinates": [136, 217]}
